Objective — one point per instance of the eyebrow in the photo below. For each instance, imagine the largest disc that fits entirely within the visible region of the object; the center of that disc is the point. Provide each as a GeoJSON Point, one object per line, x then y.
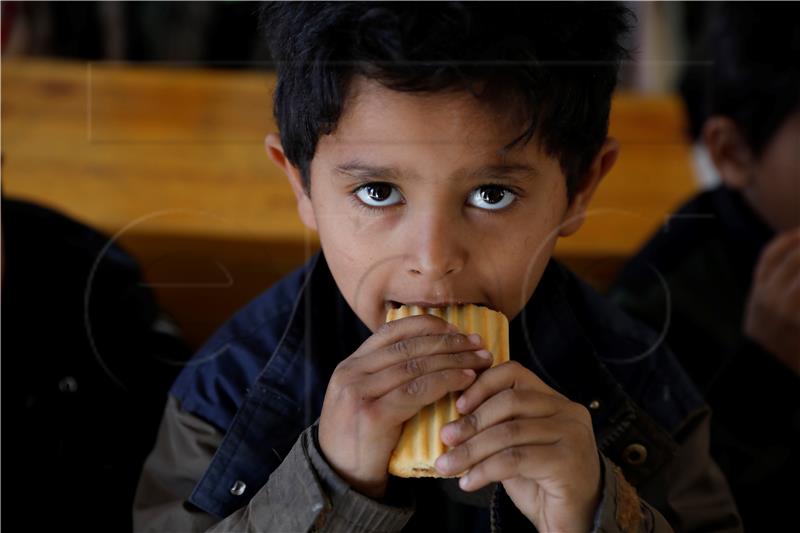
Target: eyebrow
{"type": "Point", "coordinates": [512, 172]}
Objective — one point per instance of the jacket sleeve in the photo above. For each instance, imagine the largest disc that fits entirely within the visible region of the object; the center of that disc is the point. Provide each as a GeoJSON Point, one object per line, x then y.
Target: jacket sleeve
{"type": "Point", "coordinates": [302, 494]}
{"type": "Point", "coordinates": [689, 495]}
{"type": "Point", "coordinates": [621, 509]}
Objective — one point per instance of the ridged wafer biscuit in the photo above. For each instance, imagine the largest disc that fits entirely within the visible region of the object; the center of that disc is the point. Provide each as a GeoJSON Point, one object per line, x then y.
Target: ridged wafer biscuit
{"type": "Point", "coordinates": [419, 443]}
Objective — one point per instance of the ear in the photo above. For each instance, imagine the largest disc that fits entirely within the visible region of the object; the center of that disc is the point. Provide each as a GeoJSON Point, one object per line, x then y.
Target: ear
{"type": "Point", "coordinates": [729, 151]}
{"type": "Point", "coordinates": [601, 165]}
{"type": "Point", "coordinates": [274, 148]}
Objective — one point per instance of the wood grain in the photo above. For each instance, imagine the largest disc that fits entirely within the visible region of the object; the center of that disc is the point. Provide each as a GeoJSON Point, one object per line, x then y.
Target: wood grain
{"type": "Point", "coordinates": [169, 161]}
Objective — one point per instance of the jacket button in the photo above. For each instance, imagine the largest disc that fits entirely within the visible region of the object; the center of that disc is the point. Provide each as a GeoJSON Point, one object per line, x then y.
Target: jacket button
{"type": "Point", "coordinates": [238, 487]}
{"type": "Point", "coordinates": [634, 454]}
{"type": "Point", "coordinates": [68, 384]}
{"type": "Point", "coordinates": [594, 405]}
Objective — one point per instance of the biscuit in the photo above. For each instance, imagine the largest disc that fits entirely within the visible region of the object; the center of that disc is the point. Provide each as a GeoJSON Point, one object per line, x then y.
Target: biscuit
{"type": "Point", "coordinates": [419, 443]}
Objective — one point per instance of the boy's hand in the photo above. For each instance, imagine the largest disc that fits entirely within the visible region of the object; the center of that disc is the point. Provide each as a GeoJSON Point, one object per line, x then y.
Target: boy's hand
{"type": "Point", "coordinates": [772, 318]}
{"type": "Point", "coordinates": [407, 364]}
{"type": "Point", "coordinates": [537, 442]}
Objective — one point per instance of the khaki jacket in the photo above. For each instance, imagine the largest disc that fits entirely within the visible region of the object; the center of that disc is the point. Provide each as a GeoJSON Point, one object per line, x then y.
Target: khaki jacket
{"type": "Point", "coordinates": [305, 494]}
{"type": "Point", "coordinates": [237, 449]}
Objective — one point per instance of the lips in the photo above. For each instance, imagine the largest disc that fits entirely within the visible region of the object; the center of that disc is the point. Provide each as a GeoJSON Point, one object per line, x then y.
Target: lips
{"type": "Point", "coordinates": [394, 304]}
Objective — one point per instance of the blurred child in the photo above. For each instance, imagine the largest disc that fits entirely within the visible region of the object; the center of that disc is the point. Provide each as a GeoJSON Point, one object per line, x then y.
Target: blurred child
{"type": "Point", "coordinates": [722, 277]}
{"type": "Point", "coordinates": [88, 358]}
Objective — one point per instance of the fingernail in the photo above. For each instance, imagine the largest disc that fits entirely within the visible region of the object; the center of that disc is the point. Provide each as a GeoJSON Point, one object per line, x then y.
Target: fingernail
{"type": "Point", "coordinates": [469, 372]}
{"type": "Point", "coordinates": [461, 402]}
{"type": "Point", "coordinates": [486, 354]}
{"type": "Point", "coordinates": [442, 463]}
{"type": "Point", "coordinates": [475, 339]}
{"type": "Point", "coordinates": [450, 431]}
{"type": "Point", "coordinates": [464, 481]}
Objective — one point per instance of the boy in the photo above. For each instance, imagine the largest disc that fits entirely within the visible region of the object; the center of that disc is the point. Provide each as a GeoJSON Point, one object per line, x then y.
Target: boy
{"type": "Point", "coordinates": [438, 150]}
{"type": "Point", "coordinates": [730, 259]}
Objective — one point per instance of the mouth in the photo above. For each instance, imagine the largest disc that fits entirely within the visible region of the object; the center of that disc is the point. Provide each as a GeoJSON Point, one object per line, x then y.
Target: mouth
{"type": "Point", "coordinates": [393, 304]}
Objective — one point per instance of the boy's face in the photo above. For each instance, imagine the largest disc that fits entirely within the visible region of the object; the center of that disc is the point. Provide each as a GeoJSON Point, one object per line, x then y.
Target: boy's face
{"type": "Point", "coordinates": [453, 220]}
{"type": "Point", "coordinates": [771, 182]}
{"type": "Point", "coordinates": [776, 183]}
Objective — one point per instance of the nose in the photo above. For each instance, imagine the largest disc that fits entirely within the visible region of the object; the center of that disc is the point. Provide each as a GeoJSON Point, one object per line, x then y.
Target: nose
{"type": "Point", "coordinates": [434, 246]}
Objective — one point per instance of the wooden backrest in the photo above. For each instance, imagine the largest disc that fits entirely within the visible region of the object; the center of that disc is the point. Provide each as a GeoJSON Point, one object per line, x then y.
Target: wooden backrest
{"type": "Point", "coordinates": [170, 163]}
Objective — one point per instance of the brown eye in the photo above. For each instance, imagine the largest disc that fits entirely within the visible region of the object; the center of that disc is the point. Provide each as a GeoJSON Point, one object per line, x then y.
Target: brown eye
{"type": "Point", "coordinates": [492, 197]}
{"type": "Point", "coordinates": [376, 194]}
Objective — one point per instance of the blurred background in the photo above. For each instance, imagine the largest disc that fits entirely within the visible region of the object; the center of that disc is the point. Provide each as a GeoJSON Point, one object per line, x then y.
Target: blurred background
{"type": "Point", "coordinates": [128, 99]}
{"type": "Point", "coordinates": [224, 34]}
{"type": "Point", "coordinates": [140, 211]}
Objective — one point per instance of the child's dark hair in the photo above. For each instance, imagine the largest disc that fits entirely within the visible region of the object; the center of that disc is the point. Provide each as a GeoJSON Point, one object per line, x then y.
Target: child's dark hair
{"type": "Point", "coordinates": [560, 61]}
{"type": "Point", "coordinates": [747, 69]}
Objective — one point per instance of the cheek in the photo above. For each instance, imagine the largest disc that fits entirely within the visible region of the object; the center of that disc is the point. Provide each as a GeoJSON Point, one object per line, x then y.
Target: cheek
{"type": "Point", "coordinates": [525, 253]}
{"type": "Point", "coordinates": [541, 241]}
{"type": "Point", "coordinates": [358, 267]}
{"type": "Point", "coordinates": [781, 163]}
{"type": "Point", "coordinates": [543, 229]}
{"type": "Point", "coordinates": [365, 228]}
{"type": "Point", "coordinates": [341, 230]}
{"type": "Point", "coordinates": [780, 186]}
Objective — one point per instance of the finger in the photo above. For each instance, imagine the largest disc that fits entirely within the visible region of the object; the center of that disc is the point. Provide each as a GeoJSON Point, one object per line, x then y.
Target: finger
{"type": "Point", "coordinates": [503, 376]}
{"type": "Point", "coordinates": [382, 382]}
{"type": "Point", "coordinates": [407, 349]}
{"type": "Point", "coordinates": [408, 399]}
{"type": "Point", "coordinates": [505, 405]}
{"type": "Point", "coordinates": [774, 252]}
{"type": "Point", "coordinates": [534, 461]}
{"type": "Point", "coordinates": [410, 326]}
{"type": "Point", "coordinates": [495, 439]}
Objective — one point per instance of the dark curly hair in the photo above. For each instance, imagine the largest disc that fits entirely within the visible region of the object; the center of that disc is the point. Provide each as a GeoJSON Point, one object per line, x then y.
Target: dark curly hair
{"type": "Point", "coordinates": [559, 60]}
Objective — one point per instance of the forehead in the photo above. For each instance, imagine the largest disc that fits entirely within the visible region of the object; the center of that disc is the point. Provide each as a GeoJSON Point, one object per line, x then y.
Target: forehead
{"type": "Point", "coordinates": [377, 115]}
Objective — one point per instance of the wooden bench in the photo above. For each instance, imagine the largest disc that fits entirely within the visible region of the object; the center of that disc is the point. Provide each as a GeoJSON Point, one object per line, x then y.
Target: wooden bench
{"type": "Point", "coordinates": [169, 162]}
